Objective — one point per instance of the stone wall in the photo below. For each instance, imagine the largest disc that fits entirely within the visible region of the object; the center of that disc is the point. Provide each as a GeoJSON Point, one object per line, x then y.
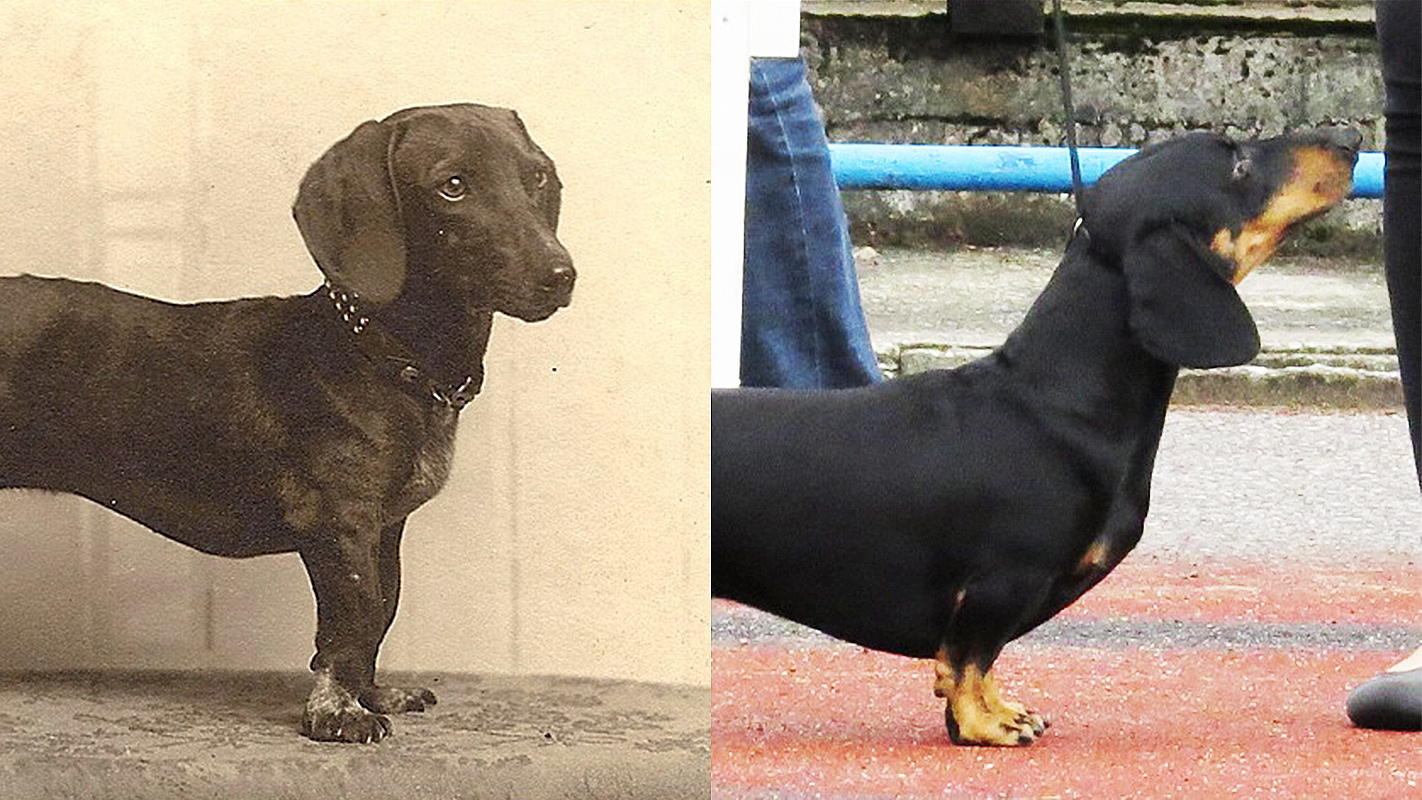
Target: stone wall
{"type": "Point", "coordinates": [1141, 72]}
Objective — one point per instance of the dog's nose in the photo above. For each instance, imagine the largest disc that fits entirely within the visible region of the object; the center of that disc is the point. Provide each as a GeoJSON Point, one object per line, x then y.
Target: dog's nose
{"type": "Point", "coordinates": [1345, 139]}
{"type": "Point", "coordinates": [560, 279]}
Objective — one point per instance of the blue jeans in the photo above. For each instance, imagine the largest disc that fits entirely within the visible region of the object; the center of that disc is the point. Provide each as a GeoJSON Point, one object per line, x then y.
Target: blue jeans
{"type": "Point", "coordinates": [801, 323]}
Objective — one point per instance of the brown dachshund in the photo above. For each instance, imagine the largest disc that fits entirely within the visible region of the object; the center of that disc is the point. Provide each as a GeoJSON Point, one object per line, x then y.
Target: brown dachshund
{"type": "Point", "coordinates": [314, 423]}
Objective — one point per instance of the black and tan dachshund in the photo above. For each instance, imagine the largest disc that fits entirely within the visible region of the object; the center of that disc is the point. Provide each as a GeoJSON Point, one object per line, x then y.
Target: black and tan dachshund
{"type": "Point", "coordinates": [314, 423]}
{"type": "Point", "coordinates": [944, 514]}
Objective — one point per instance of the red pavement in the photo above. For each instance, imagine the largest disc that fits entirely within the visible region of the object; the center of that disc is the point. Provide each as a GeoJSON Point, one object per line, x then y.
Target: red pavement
{"type": "Point", "coordinates": [815, 721]}
{"type": "Point", "coordinates": [1151, 590]}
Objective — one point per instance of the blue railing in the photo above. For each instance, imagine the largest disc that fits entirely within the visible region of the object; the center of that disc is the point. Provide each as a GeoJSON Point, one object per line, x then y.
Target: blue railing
{"type": "Point", "coordinates": [1004, 169]}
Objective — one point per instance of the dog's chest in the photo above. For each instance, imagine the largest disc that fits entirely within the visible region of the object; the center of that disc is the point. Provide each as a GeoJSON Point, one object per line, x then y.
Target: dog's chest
{"type": "Point", "coordinates": [430, 465]}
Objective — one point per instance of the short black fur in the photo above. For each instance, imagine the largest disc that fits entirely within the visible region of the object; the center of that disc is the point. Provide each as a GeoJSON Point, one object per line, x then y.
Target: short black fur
{"type": "Point", "coordinates": [946, 513]}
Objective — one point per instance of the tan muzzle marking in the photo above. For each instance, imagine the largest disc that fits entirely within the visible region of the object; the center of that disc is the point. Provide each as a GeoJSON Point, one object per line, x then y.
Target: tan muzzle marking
{"type": "Point", "coordinates": [1319, 180]}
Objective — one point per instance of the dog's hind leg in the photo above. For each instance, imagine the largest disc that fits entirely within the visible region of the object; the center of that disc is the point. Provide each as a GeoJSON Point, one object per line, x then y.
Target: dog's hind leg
{"type": "Point", "coordinates": [976, 712]}
{"type": "Point", "coordinates": [392, 699]}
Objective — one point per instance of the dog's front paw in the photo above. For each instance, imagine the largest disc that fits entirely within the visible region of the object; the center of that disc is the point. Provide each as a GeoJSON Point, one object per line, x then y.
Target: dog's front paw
{"type": "Point", "coordinates": [396, 699]}
{"type": "Point", "coordinates": [978, 714]}
{"type": "Point", "coordinates": [353, 724]}
{"type": "Point", "coordinates": [1003, 728]}
{"type": "Point", "coordinates": [332, 714]}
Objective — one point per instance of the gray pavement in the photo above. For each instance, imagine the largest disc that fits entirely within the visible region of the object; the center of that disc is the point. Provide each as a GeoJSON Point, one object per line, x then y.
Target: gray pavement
{"type": "Point", "coordinates": [1263, 487]}
{"type": "Point", "coordinates": [1324, 323]}
{"type": "Point", "coordinates": [756, 628]}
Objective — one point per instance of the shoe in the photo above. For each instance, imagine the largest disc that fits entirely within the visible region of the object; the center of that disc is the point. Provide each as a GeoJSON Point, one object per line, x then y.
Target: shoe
{"type": "Point", "coordinates": [1389, 701]}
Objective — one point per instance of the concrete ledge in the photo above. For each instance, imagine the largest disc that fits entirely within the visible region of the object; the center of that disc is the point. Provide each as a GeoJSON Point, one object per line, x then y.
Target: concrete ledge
{"type": "Point", "coordinates": [235, 735]}
{"type": "Point", "coordinates": [1311, 386]}
{"type": "Point", "coordinates": [1337, 378]}
{"type": "Point", "coordinates": [1352, 11]}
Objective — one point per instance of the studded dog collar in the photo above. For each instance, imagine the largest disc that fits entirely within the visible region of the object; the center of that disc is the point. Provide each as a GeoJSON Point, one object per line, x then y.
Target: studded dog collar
{"type": "Point", "coordinates": [392, 358]}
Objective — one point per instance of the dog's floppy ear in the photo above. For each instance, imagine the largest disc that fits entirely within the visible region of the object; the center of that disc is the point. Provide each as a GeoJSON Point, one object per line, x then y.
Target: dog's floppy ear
{"type": "Point", "coordinates": [348, 215]}
{"type": "Point", "coordinates": [1184, 310]}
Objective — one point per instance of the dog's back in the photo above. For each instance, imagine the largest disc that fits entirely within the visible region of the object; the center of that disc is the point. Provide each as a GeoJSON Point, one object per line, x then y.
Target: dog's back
{"type": "Point", "coordinates": [149, 407]}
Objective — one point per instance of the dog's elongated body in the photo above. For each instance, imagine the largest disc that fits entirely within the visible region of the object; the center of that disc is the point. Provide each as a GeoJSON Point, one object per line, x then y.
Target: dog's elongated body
{"type": "Point", "coordinates": [314, 423]}
{"type": "Point", "coordinates": [943, 514]}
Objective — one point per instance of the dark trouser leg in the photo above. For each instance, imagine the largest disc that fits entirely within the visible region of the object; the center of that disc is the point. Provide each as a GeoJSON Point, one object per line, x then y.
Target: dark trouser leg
{"type": "Point", "coordinates": [1399, 31]}
{"type": "Point", "coordinates": [1393, 700]}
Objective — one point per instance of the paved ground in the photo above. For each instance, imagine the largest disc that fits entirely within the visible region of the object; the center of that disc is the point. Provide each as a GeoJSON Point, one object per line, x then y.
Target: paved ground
{"type": "Point", "coordinates": [1281, 565]}
{"type": "Point", "coordinates": [1324, 323]}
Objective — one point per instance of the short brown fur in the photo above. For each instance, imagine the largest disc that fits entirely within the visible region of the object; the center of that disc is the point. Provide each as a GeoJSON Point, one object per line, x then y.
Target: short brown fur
{"type": "Point", "coordinates": [314, 423]}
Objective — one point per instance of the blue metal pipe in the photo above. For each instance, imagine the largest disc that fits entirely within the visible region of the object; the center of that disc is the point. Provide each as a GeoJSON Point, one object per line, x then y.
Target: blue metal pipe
{"type": "Point", "coordinates": [1004, 169]}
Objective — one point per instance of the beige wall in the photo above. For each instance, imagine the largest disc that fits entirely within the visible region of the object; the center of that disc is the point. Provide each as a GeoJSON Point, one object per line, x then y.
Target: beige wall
{"type": "Point", "coordinates": [157, 146]}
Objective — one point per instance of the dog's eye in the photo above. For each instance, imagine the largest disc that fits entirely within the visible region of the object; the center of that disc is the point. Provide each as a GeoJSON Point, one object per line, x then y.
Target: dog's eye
{"type": "Point", "coordinates": [538, 179]}
{"type": "Point", "coordinates": [454, 188]}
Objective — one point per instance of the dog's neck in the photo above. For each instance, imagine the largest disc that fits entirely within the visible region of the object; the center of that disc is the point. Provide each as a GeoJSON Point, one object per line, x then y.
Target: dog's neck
{"type": "Point", "coordinates": [1075, 348]}
{"type": "Point", "coordinates": [432, 351]}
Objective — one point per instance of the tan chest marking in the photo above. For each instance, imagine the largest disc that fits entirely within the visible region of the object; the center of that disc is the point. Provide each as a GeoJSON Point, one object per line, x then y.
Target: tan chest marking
{"type": "Point", "coordinates": [431, 466]}
{"type": "Point", "coordinates": [1094, 559]}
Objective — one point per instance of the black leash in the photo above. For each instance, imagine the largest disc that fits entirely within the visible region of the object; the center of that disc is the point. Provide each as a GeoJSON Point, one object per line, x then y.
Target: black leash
{"type": "Point", "coordinates": [1067, 106]}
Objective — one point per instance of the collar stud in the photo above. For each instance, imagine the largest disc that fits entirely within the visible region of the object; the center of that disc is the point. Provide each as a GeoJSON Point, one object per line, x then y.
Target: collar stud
{"type": "Point", "coordinates": [394, 359]}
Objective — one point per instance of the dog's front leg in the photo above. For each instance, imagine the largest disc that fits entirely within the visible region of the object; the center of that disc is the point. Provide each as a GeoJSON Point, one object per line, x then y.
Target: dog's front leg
{"type": "Point", "coordinates": [392, 699]}
{"type": "Point", "coordinates": [976, 712]}
{"type": "Point", "coordinates": [351, 618]}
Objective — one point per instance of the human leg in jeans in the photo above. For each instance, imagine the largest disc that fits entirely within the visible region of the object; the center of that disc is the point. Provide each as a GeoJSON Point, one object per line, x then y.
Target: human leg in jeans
{"type": "Point", "coordinates": [801, 322]}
